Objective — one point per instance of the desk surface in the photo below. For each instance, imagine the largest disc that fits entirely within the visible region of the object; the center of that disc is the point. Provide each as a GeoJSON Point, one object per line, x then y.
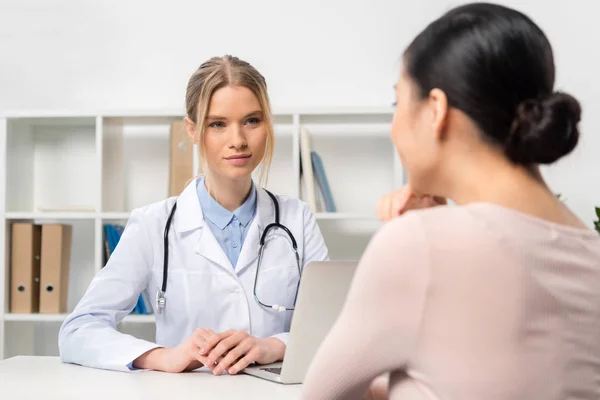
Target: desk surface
{"type": "Point", "coordinates": [39, 378]}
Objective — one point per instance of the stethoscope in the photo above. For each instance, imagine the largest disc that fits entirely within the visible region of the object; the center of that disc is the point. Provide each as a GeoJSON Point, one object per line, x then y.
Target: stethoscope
{"type": "Point", "coordinates": [160, 294]}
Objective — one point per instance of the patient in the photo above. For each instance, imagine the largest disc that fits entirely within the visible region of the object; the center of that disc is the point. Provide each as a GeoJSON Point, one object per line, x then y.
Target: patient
{"type": "Point", "coordinates": [498, 296]}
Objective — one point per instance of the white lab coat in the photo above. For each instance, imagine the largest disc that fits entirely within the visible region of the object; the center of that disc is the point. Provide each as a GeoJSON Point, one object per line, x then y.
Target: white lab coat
{"type": "Point", "coordinates": [203, 288]}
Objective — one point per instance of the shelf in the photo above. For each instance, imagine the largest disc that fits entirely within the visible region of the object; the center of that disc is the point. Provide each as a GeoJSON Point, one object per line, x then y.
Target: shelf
{"type": "Point", "coordinates": [358, 172]}
{"type": "Point", "coordinates": [52, 119]}
{"type": "Point", "coordinates": [135, 161]}
{"type": "Point", "coordinates": [115, 215]}
{"type": "Point", "coordinates": [343, 216]}
{"type": "Point", "coordinates": [336, 111]}
{"type": "Point", "coordinates": [92, 168]}
{"type": "Point", "coordinates": [74, 215]}
{"type": "Point", "coordinates": [50, 215]}
{"type": "Point", "coordinates": [61, 317]}
{"type": "Point", "coordinates": [35, 317]}
{"type": "Point", "coordinates": [50, 164]}
{"type": "Point", "coordinates": [378, 130]}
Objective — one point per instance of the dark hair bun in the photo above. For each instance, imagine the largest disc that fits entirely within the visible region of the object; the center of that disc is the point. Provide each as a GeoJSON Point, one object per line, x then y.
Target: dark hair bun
{"type": "Point", "coordinates": [544, 130]}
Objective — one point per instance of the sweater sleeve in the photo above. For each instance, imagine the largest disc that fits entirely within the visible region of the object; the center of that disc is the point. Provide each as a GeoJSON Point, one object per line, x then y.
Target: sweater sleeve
{"type": "Point", "coordinates": [378, 325]}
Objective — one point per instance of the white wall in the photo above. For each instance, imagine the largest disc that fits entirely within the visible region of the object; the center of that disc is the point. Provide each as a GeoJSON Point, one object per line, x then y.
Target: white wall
{"type": "Point", "coordinates": [134, 54]}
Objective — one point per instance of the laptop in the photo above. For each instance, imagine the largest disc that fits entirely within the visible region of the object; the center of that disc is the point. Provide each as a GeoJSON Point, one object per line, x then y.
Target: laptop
{"type": "Point", "coordinates": [321, 296]}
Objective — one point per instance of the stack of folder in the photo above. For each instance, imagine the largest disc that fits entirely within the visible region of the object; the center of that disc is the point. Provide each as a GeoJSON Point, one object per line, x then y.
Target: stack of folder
{"type": "Point", "coordinates": [39, 267]}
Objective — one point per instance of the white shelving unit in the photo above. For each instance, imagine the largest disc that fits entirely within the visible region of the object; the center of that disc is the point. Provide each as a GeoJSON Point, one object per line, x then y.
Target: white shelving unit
{"type": "Point", "coordinates": [91, 169]}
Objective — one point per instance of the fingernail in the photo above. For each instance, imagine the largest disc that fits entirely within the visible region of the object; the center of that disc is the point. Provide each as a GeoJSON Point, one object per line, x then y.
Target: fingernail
{"type": "Point", "coordinates": [232, 371]}
{"type": "Point", "coordinates": [217, 371]}
{"type": "Point", "coordinates": [202, 350]}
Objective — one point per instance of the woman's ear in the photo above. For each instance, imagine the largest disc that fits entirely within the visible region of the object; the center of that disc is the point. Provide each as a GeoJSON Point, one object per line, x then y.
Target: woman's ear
{"type": "Point", "coordinates": [438, 105]}
{"type": "Point", "coordinates": [190, 127]}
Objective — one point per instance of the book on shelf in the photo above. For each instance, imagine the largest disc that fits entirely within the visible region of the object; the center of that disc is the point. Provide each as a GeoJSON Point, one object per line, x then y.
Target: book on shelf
{"type": "Point", "coordinates": [307, 171]}
{"type": "Point", "coordinates": [322, 182]}
{"type": "Point", "coordinates": [39, 267]}
{"type": "Point", "coordinates": [73, 209]}
{"type": "Point", "coordinates": [112, 235]}
{"type": "Point", "coordinates": [181, 158]}
{"type": "Point", "coordinates": [317, 191]}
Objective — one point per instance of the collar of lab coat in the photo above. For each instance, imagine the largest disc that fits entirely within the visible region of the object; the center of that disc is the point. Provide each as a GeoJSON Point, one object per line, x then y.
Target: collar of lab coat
{"type": "Point", "coordinates": [188, 205]}
{"type": "Point", "coordinates": [190, 218]}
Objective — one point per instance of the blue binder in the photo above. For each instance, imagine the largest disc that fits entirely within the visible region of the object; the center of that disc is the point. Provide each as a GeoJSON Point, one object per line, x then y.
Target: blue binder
{"type": "Point", "coordinates": [322, 182]}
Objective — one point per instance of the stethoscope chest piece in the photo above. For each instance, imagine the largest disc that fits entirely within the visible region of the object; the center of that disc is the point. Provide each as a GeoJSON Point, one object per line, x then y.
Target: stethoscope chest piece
{"type": "Point", "coordinates": [160, 301]}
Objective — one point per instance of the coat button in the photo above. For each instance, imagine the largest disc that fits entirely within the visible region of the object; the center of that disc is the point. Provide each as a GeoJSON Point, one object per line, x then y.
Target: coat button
{"type": "Point", "coordinates": [234, 244]}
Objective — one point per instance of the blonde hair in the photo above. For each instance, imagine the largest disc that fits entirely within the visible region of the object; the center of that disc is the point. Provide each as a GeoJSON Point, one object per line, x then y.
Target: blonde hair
{"type": "Point", "coordinates": [220, 72]}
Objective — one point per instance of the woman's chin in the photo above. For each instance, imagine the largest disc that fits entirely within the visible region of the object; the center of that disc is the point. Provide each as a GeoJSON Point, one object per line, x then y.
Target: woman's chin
{"type": "Point", "coordinates": [238, 173]}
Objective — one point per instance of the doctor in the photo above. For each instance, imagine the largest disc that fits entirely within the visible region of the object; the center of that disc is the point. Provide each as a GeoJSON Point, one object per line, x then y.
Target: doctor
{"type": "Point", "coordinates": [215, 305]}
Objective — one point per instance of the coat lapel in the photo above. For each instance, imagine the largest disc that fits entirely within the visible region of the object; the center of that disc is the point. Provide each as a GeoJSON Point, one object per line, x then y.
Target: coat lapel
{"type": "Point", "coordinates": [208, 247]}
{"type": "Point", "coordinates": [265, 214]}
{"type": "Point", "coordinates": [188, 218]}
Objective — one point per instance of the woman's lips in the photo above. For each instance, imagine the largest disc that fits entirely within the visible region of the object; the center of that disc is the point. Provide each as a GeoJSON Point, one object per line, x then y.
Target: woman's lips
{"type": "Point", "coordinates": [238, 159]}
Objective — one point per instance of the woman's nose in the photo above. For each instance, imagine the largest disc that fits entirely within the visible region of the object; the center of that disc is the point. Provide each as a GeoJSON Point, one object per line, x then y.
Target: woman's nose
{"type": "Point", "coordinates": [238, 137]}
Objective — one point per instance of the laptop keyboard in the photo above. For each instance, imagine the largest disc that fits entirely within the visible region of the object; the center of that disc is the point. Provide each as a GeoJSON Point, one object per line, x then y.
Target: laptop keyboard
{"type": "Point", "coordinates": [276, 371]}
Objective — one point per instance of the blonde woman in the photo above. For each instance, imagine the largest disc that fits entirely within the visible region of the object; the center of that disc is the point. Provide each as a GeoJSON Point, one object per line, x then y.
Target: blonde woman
{"type": "Point", "coordinates": [199, 253]}
{"type": "Point", "coordinates": [498, 297]}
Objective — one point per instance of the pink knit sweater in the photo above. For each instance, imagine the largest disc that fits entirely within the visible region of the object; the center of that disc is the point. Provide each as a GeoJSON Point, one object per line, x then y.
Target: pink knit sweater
{"type": "Point", "coordinates": [477, 302]}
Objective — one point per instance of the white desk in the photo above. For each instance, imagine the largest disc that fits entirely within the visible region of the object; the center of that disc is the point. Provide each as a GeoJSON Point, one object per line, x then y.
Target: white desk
{"type": "Point", "coordinates": [48, 378]}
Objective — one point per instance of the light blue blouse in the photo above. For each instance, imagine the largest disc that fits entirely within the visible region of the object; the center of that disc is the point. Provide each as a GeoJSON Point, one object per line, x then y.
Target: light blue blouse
{"type": "Point", "coordinates": [229, 228]}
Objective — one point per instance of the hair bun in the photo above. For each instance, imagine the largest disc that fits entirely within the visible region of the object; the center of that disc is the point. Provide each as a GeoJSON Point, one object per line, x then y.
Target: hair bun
{"type": "Point", "coordinates": [544, 130]}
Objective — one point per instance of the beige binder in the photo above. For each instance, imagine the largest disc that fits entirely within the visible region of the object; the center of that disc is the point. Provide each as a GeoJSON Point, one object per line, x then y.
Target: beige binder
{"type": "Point", "coordinates": [25, 268]}
{"type": "Point", "coordinates": [55, 265]}
{"type": "Point", "coordinates": [181, 158]}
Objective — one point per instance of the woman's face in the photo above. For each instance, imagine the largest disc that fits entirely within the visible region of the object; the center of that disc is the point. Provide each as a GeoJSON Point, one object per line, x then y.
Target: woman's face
{"type": "Point", "coordinates": [414, 134]}
{"type": "Point", "coordinates": [235, 135]}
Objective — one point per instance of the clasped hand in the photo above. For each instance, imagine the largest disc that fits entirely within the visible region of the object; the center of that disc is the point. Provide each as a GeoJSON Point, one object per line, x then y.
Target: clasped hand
{"type": "Point", "coordinates": [229, 351]}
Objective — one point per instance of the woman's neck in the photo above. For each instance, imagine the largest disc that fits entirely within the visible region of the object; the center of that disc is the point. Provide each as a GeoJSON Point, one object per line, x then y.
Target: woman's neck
{"type": "Point", "coordinates": [492, 180]}
{"type": "Point", "coordinates": [515, 189]}
{"type": "Point", "coordinates": [497, 181]}
{"type": "Point", "coordinates": [229, 193]}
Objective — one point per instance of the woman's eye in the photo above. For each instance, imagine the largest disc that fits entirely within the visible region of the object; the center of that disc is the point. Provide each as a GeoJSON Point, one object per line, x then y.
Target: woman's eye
{"type": "Point", "coordinates": [217, 125]}
{"type": "Point", "coordinates": [253, 121]}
